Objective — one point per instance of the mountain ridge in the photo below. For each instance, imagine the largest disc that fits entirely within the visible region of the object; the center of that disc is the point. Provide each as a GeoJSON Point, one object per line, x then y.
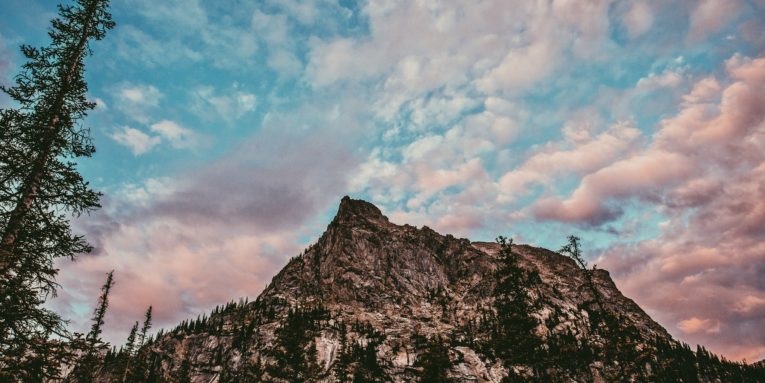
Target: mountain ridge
{"type": "Point", "coordinates": [371, 300]}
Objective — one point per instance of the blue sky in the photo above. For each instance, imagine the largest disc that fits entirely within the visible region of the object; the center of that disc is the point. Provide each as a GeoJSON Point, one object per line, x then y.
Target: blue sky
{"type": "Point", "coordinates": [228, 131]}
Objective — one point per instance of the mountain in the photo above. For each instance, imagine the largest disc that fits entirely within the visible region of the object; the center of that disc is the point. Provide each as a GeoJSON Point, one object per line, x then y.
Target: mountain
{"type": "Point", "coordinates": [373, 301]}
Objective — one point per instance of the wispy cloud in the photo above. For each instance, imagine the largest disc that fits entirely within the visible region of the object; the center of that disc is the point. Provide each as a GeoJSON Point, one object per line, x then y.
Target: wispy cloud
{"type": "Point", "coordinates": [229, 105]}
{"type": "Point", "coordinates": [534, 119]}
{"type": "Point", "coordinates": [168, 131]}
{"type": "Point", "coordinates": [639, 18]}
{"type": "Point", "coordinates": [216, 232]}
{"type": "Point", "coordinates": [138, 141]}
{"type": "Point", "coordinates": [137, 101]}
{"type": "Point", "coordinates": [178, 136]}
{"type": "Point", "coordinates": [708, 258]}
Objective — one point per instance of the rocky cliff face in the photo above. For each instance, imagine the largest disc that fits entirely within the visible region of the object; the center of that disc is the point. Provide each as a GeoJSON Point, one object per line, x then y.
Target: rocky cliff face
{"type": "Point", "coordinates": [372, 300]}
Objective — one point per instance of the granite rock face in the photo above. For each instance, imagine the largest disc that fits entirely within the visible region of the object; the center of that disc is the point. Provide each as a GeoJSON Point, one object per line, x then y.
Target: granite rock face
{"type": "Point", "coordinates": [369, 284]}
{"type": "Point", "coordinates": [405, 280]}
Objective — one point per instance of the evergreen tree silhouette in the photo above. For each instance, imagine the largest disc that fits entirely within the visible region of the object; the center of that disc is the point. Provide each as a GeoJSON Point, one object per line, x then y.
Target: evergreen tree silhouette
{"type": "Point", "coordinates": [513, 337]}
{"type": "Point", "coordinates": [41, 189]}
{"type": "Point", "coordinates": [85, 369]}
{"type": "Point", "coordinates": [435, 362]}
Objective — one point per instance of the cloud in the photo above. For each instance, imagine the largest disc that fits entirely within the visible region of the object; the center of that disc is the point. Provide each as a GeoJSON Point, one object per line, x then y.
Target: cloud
{"type": "Point", "coordinates": [579, 152]}
{"type": "Point", "coordinates": [132, 44]}
{"type": "Point", "coordinates": [168, 131]}
{"type": "Point", "coordinates": [438, 50]}
{"type": "Point", "coordinates": [177, 32]}
{"type": "Point", "coordinates": [702, 272]}
{"type": "Point", "coordinates": [672, 158]}
{"type": "Point", "coordinates": [187, 242]}
{"type": "Point", "coordinates": [5, 59]}
{"type": "Point", "coordinates": [138, 141]}
{"type": "Point", "coordinates": [749, 304]}
{"type": "Point", "coordinates": [276, 31]}
{"type": "Point", "coordinates": [6, 63]}
{"type": "Point", "coordinates": [141, 95]}
{"type": "Point", "coordinates": [638, 19]}
{"type": "Point", "coordinates": [222, 44]}
{"type": "Point", "coordinates": [705, 90]}
{"type": "Point", "coordinates": [230, 106]}
{"type": "Point", "coordinates": [669, 78]}
{"type": "Point", "coordinates": [636, 176]}
{"type": "Point", "coordinates": [137, 101]}
{"type": "Point", "coordinates": [185, 15]}
{"type": "Point", "coordinates": [695, 325]}
{"type": "Point", "coordinates": [178, 136]}
{"type": "Point", "coordinates": [522, 67]}
{"type": "Point", "coordinates": [709, 16]}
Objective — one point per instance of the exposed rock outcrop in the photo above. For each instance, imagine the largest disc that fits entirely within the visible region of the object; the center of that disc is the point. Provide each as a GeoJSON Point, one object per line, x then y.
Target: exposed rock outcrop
{"type": "Point", "coordinates": [370, 295]}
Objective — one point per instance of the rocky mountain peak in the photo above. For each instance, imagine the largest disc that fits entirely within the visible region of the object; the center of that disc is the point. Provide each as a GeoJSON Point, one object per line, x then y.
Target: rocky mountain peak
{"type": "Point", "coordinates": [353, 211]}
{"type": "Point", "coordinates": [375, 301]}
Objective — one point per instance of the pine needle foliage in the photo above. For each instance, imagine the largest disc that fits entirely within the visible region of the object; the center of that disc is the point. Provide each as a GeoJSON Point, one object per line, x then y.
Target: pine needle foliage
{"type": "Point", "coordinates": [40, 187]}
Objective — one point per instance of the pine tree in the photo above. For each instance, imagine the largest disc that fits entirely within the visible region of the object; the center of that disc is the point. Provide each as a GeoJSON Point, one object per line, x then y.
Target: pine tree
{"type": "Point", "coordinates": [40, 188]}
{"type": "Point", "coordinates": [130, 345]}
{"type": "Point", "coordinates": [86, 367]}
{"type": "Point", "coordinates": [513, 337]}
{"type": "Point", "coordinates": [573, 250]}
{"type": "Point", "coordinates": [599, 316]}
{"type": "Point", "coordinates": [145, 328]}
{"type": "Point", "coordinates": [435, 362]}
{"type": "Point", "coordinates": [129, 351]}
{"type": "Point", "coordinates": [184, 372]}
{"type": "Point", "coordinates": [368, 369]}
{"type": "Point", "coordinates": [98, 314]}
{"type": "Point", "coordinates": [344, 357]}
{"type": "Point", "coordinates": [296, 354]}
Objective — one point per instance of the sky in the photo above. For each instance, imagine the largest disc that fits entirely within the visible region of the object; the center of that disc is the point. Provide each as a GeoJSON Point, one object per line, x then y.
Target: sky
{"type": "Point", "coordinates": [228, 131]}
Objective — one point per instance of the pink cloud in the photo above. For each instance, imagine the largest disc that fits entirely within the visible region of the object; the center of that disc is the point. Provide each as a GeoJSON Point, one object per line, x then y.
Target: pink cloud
{"type": "Point", "coordinates": [580, 153]}
{"type": "Point", "coordinates": [187, 243]}
{"type": "Point", "coordinates": [728, 132]}
{"type": "Point", "coordinates": [703, 91]}
{"type": "Point", "coordinates": [636, 176]}
{"type": "Point", "coordinates": [703, 272]}
{"type": "Point", "coordinates": [695, 325]}
{"type": "Point", "coordinates": [639, 18]}
{"type": "Point", "coordinates": [709, 16]}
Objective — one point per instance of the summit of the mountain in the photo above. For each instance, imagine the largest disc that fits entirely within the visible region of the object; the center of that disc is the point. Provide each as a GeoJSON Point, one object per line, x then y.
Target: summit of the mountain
{"type": "Point", "coordinates": [373, 301]}
{"type": "Point", "coordinates": [353, 211]}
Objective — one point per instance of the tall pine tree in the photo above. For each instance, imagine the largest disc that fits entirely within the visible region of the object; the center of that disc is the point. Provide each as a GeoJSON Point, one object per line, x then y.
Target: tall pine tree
{"type": "Point", "coordinates": [514, 338]}
{"type": "Point", "coordinates": [40, 188]}
{"type": "Point", "coordinates": [145, 328]}
{"type": "Point", "coordinates": [295, 354]}
{"type": "Point", "coordinates": [85, 368]}
{"type": "Point", "coordinates": [129, 351]}
{"type": "Point", "coordinates": [574, 251]}
{"type": "Point", "coordinates": [435, 362]}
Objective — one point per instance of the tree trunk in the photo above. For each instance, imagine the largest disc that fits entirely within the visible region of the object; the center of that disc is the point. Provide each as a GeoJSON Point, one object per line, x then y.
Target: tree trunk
{"type": "Point", "coordinates": [32, 182]}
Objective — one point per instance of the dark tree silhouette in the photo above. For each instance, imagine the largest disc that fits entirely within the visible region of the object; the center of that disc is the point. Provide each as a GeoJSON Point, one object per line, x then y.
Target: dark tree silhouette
{"type": "Point", "coordinates": [86, 367]}
{"type": "Point", "coordinates": [435, 362]}
{"type": "Point", "coordinates": [129, 352]}
{"type": "Point", "coordinates": [514, 338]}
{"type": "Point", "coordinates": [40, 188]}
{"type": "Point", "coordinates": [296, 353]}
{"type": "Point", "coordinates": [573, 250]}
{"type": "Point", "coordinates": [145, 328]}
{"type": "Point", "coordinates": [98, 314]}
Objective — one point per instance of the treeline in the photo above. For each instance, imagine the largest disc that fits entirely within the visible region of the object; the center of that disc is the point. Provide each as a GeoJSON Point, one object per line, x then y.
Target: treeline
{"type": "Point", "coordinates": [507, 332]}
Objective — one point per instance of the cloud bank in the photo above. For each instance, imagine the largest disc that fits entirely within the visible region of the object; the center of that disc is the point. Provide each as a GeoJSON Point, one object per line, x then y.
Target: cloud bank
{"type": "Point", "coordinates": [636, 125]}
